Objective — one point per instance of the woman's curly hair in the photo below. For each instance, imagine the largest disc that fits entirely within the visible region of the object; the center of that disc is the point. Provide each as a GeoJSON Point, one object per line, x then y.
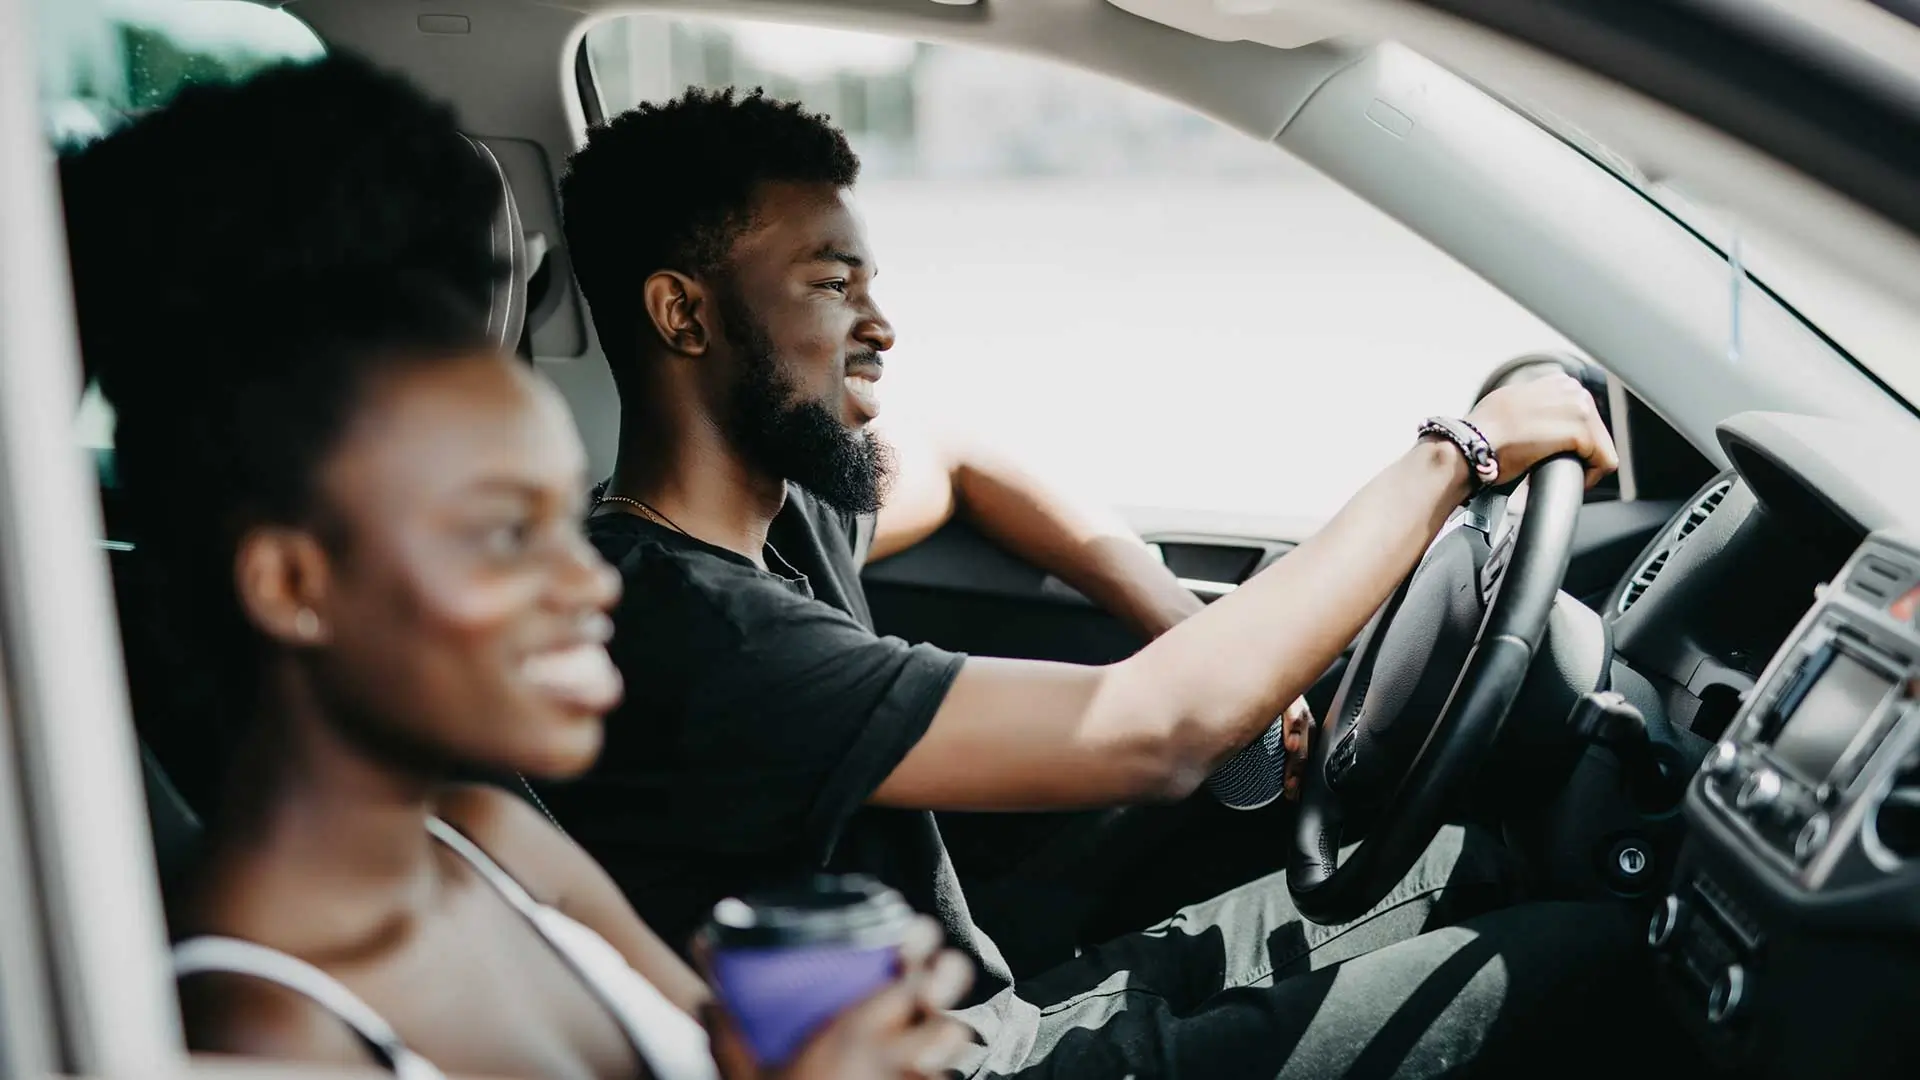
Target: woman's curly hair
{"type": "Point", "coordinates": [245, 260]}
{"type": "Point", "coordinates": [318, 169]}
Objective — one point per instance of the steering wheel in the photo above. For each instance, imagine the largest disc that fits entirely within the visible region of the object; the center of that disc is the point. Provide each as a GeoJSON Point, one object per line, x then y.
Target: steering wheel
{"type": "Point", "coordinates": [1475, 606]}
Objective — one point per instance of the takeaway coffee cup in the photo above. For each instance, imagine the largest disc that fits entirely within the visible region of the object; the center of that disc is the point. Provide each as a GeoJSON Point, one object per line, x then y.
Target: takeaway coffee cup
{"type": "Point", "coordinates": [786, 961]}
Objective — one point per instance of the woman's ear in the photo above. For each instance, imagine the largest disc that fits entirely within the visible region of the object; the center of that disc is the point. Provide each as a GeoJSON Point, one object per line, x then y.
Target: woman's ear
{"type": "Point", "coordinates": [678, 308]}
{"type": "Point", "coordinates": [282, 577]}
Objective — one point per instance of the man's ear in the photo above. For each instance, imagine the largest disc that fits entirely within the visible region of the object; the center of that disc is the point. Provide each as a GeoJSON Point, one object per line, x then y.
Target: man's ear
{"type": "Point", "coordinates": [679, 309]}
{"type": "Point", "coordinates": [283, 579]}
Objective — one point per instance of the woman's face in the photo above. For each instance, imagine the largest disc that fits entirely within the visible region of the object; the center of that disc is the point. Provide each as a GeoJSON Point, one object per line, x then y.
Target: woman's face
{"type": "Point", "coordinates": [466, 612]}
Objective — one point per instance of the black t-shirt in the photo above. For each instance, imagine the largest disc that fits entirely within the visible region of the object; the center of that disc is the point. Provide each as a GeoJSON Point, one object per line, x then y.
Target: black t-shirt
{"type": "Point", "coordinates": [761, 713]}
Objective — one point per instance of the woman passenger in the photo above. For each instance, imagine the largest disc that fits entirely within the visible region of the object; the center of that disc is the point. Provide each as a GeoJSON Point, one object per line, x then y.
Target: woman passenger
{"type": "Point", "coordinates": [364, 527]}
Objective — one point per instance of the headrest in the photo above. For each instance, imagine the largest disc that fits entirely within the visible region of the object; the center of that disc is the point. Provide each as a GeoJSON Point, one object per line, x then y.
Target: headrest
{"type": "Point", "coordinates": [507, 313]}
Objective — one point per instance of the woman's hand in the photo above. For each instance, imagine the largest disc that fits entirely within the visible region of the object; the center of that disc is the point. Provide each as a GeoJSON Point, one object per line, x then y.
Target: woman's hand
{"type": "Point", "coordinates": [900, 1033]}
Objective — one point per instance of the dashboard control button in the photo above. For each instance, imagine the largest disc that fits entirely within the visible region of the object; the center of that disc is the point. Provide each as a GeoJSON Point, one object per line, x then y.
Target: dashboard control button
{"type": "Point", "coordinates": [1628, 866]}
{"type": "Point", "coordinates": [1791, 810]}
{"type": "Point", "coordinates": [1723, 761]}
{"type": "Point", "coordinates": [1728, 996]}
{"type": "Point", "coordinates": [1666, 922]}
{"type": "Point", "coordinates": [1812, 836]}
{"type": "Point", "coordinates": [1760, 790]}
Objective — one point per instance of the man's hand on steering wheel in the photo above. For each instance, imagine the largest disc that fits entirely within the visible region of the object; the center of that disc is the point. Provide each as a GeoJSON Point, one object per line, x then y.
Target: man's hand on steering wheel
{"type": "Point", "coordinates": [1531, 421]}
{"type": "Point", "coordinates": [1297, 736]}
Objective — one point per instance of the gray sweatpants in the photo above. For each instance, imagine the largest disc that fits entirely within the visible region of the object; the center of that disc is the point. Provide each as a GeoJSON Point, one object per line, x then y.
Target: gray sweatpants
{"type": "Point", "coordinates": [1242, 986]}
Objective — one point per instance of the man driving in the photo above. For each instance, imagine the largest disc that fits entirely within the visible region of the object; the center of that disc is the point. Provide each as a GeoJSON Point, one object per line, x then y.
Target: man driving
{"type": "Point", "coordinates": [769, 732]}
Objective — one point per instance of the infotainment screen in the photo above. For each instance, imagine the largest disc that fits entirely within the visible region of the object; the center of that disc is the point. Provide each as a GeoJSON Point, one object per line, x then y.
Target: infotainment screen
{"type": "Point", "coordinates": [1832, 712]}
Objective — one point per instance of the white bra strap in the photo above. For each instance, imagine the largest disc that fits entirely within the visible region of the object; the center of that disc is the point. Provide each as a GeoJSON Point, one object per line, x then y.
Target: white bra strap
{"type": "Point", "coordinates": [234, 956]}
{"type": "Point", "coordinates": [496, 875]}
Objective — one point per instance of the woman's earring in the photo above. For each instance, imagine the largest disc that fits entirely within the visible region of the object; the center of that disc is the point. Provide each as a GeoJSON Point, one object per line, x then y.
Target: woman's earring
{"type": "Point", "coordinates": [306, 624]}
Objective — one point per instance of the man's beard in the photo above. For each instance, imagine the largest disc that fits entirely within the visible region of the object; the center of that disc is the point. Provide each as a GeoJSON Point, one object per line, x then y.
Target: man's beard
{"type": "Point", "coordinates": [802, 441]}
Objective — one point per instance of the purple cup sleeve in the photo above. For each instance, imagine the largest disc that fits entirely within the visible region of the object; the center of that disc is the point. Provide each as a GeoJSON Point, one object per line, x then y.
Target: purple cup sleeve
{"type": "Point", "coordinates": [780, 997]}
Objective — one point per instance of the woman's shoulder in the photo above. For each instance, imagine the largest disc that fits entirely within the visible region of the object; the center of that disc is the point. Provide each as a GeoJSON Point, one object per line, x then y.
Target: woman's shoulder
{"type": "Point", "coordinates": [229, 1013]}
{"type": "Point", "coordinates": [559, 873]}
{"type": "Point", "coordinates": [519, 838]}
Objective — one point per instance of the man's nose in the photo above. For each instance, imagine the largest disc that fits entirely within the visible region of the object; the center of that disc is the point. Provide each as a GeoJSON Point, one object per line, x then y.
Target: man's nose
{"type": "Point", "coordinates": [875, 332]}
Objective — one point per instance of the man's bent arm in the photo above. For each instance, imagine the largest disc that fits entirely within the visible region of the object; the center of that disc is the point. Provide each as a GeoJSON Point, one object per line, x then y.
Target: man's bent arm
{"type": "Point", "coordinates": [1026, 735]}
{"type": "Point", "coordinates": [1013, 735]}
{"type": "Point", "coordinates": [1087, 547]}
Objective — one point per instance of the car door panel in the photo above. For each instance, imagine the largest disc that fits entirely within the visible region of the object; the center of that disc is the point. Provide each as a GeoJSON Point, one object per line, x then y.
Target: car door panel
{"type": "Point", "coordinates": [959, 590]}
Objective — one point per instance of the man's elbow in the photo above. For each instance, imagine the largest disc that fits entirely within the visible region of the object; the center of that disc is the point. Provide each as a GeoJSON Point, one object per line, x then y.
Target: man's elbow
{"type": "Point", "coordinates": [1168, 752]}
{"type": "Point", "coordinates": [1174, 784]}
{"type": "Point", "coordinates": [1188, 757]}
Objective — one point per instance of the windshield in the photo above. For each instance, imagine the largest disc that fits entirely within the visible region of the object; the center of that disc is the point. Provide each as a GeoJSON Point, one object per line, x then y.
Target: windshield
{"type": "Point", "coordinates": [1875, 331]}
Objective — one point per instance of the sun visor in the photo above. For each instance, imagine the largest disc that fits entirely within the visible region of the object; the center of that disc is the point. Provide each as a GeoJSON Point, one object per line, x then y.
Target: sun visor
{"type": "Point", "coordinates": [1268, 22]}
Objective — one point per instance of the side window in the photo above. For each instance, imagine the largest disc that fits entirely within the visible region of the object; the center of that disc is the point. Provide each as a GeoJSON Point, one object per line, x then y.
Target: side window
{"type": "Point", "coordinates": [104, 63]}
{"type": "Point", "coordinates": [1136, 299]}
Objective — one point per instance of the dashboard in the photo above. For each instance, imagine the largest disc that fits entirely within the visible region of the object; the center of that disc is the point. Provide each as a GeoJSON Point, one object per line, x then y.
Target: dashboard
{"type": "Point", "coordinates": [1779, 617]}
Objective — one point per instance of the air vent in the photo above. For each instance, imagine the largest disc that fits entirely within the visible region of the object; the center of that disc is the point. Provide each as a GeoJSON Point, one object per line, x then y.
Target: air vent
{"type": "Point", "coordinates": [1879, 579]}
{"type": "Point", "coordinates": [1700, 511]}
{"type": "Point", "coordinates": [1696, 516]}
{"type": "Point", "coordinates": [1643, 580]}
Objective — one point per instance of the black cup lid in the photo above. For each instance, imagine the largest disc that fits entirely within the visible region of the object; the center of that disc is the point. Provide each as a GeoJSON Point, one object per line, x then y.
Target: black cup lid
{"type": "Point", "coordinates": [848, 910]}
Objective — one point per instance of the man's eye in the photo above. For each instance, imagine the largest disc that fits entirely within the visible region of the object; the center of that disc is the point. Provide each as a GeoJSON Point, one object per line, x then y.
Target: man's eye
{"type": "Point", "coordinates": [838, 285]}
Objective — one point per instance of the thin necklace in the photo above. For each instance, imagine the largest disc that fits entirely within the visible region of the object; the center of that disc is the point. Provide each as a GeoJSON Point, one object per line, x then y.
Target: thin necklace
{"type": "Point", "coordinates": [646, 510]}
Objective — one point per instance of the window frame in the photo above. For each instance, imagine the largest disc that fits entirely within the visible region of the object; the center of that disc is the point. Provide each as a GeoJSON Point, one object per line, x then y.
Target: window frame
{"type": "Point", "coordinates": [89, 989]}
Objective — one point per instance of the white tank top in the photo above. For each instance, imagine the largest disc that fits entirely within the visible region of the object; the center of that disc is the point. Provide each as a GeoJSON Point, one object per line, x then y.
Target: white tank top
{"type": "Point", "coordinates": [671, 1043]}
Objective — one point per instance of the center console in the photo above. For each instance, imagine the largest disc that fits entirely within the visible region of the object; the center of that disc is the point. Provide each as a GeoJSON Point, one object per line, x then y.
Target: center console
{"type": "Point", "coordinates": [1795, 912]}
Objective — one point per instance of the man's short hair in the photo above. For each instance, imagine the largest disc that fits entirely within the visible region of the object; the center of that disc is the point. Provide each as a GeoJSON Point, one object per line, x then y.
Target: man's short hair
{"type": "Point", "coordinates": [670, 186]}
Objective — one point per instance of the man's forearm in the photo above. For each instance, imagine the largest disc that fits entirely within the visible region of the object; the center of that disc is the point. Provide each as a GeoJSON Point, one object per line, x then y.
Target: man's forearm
{"type": "Point", "coordinates": [1221, 679]}
{"type": "Point", "coordinates": [1088, 547]}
